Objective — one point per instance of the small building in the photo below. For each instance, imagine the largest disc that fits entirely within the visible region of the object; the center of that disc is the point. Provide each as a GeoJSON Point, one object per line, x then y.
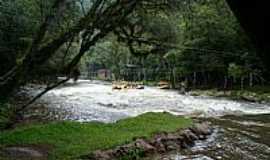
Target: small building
{"type": "Point", "coordinates": [104, 74]}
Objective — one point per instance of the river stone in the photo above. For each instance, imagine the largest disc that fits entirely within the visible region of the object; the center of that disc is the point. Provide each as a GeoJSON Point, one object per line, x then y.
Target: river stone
{"type": "Point", "coordinates": [192, 135]}
{"type": "Point", "coordinates": [189, 136]}
{"type": "Point", "coordinates": [23, 153]}
{"type": "Point", "coordinates": [101, 155]}
{"type": "Point", "coordinates": [159, 146]}
{"type": "Point", "coordinates": [201, 129]}
{"type": "Point", "coordinates": [171, 146]}
{"type": "Point", "coordinates": [145, 146]}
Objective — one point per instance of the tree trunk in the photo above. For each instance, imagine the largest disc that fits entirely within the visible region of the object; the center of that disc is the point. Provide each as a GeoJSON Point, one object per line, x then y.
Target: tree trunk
{"type": "Point", "coordinates": [242, 83]}
{"type": "Point", "coordinates": [225, 85]}
{"type": "Point", "coordinates": [40, 54]}
{"type": "Point", "coordinates": [172, 77]}
{"type": "Point", "coordinates": [250, 80]}
{"type": "Point", "coordinates": [194, 79]}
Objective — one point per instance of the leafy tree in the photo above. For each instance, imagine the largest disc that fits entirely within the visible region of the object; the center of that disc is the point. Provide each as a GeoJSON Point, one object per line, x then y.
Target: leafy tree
{"type": "Point", "coordinates": [237, 72]}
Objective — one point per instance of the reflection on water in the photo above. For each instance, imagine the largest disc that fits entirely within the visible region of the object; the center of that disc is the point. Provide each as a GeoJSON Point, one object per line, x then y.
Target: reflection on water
{"type": "Point", "coordinates": [243, 136]}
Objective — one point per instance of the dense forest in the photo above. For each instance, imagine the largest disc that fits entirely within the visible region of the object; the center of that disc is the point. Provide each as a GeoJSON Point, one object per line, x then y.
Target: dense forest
{"type": "Point", "coordinates": [198, 41]}
{"type": "Point", "coordinates": [134, 80]}
{"type": "Point", "coordinates": [201, 42]}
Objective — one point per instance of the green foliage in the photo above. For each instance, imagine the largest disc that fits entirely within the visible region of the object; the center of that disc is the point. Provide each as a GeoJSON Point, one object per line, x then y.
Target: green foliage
{"type": "Point", "coordinates": [184, 36]}
{"type": "Point", "coordinates": [72, 139]}
{"type": "Point", "coordinates": [236, 70]}
{"type": "Point", "coordinates": [20, 20]}
{"type": "Point", "coordinates": [201, 37]}
{"type": "Point", "coordinates": [6, 114]}
{"type": "Point", "coordinates": [109, 54]}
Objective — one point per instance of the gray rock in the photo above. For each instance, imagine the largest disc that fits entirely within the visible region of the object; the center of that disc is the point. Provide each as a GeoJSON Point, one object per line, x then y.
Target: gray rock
{"type": "Point", "coordinates": [101, 155]}
{"type": "Point", "coordinates": [201, 129]}
{"type": "Point", "coordinates": [145, 146]}
{"type": "Point", "coordinates": [23, 153]}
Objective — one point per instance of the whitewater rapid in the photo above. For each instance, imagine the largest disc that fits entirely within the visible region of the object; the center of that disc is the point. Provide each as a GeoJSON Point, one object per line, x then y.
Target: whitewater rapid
{"type": "Point", "coordinates": [96, 101]}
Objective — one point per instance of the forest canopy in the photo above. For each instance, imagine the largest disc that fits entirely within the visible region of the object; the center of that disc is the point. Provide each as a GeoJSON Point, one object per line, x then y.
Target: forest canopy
{"type": "Point", "coordinates": [195, 40]}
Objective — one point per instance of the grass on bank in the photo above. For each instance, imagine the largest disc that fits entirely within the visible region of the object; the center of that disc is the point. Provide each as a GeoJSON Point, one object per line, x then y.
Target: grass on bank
{"type": "Point", "coordinates": [73, 139]}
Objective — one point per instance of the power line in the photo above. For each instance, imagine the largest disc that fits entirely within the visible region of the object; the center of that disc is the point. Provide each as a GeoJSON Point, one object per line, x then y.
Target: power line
{"type": "Point", "coordinates": [174, 46]}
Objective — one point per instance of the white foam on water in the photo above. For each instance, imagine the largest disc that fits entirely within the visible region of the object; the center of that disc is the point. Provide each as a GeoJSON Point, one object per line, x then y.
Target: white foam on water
{"type": "Point", "coordinates": [88, 101]}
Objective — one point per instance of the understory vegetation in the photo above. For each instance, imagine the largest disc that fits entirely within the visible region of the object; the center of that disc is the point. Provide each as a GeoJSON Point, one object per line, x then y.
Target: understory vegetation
{"type": "Point", "coordinates": [68, 140]}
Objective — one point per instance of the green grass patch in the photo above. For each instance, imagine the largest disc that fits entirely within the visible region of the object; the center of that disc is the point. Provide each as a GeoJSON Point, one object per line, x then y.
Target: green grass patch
{"type": "Point", "coordinates": [72, 139]}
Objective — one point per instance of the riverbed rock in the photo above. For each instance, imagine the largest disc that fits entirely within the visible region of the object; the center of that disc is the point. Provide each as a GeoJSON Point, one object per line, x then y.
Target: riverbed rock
{"type": "Point", "coordinates": [101, 155]}
{"type": "Point", "coordinates": [145, 146]}
{"type": "Point", "coordinates": [140, 87]}
{"type": "Point", "coordinates": [21, 153]}
{"type": "Point", "coordinates": [159, 146]}
{"type": "Point", "coordinates": [201, 129]}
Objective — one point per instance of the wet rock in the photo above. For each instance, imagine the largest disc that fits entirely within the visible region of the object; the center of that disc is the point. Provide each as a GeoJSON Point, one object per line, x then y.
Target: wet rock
{"type": "Point", "coordinates": [201, 129]}
{"type": "Point", "coordinates": [159, 146]}
{"type": "Point", "coordinates": [192, 136]}
{"type": "Point", "coordinates": [101, 155]}
{"type": "Point", "coordinates": [145, 146]}
{"type": "Point", "coordinates": [218, 146]}
{"type": "Point", "coordinates": [23, 153]}
{"type": "Point", "coordinates": [140, 87]}
{"type": "Point", "coordinates": [202, 137]}
{"type": "Point", "coordinates": [172, 146]}
{"type": "Point", "coordinates": [184, 145]}
{"type": "Point", "coordinates": [189, 136]}
{"type": "Point", "coordinates": [249, 98]}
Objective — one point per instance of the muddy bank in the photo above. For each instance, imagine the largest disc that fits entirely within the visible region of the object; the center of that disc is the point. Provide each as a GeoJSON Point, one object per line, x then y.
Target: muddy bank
{"type": "Point", "coordinates": [158, 144]}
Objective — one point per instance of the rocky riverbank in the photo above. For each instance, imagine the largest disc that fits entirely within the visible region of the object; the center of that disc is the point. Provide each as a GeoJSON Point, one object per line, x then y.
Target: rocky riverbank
{"type": "Point", "coordinates": [239, 95]}
{"type": "Point", "coordinates": [158, 144]}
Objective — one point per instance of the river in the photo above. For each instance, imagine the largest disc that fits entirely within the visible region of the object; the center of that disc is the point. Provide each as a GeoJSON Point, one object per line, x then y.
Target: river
{"type": "Point", "coordinates": [242, 130]}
